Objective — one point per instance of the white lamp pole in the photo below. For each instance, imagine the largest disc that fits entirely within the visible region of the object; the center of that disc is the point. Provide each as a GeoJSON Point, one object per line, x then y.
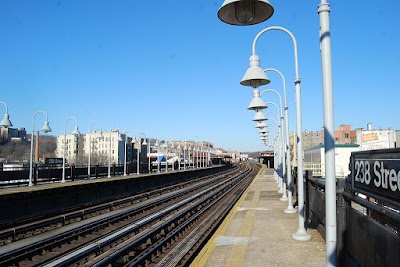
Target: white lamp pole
{"type": "Point", "coordinates": [330, 175]}
{"type": "Point", "coordinates": [76, 133]}
{"type": "Point", "coordinates": [45, 129]}
{"type": "Point", "coordinates": [184, 156]}
{"type": "Point", "coordinates": [109, 149]}
{"type": "Point", "coordinates": [256, 77]}
{"type": "Point", "coordinates": [289, 208]}
{"type": "Point", "coordinates": [189, 148]}
{"type": "Point", "coordinates": [6, 119]}
{"type": "Point", "coordinates": [99, 136]}
{"type": "Point", "coordinates": [179, 156]}
{"type": "Point", "coordinates": [148, 154]}
{"type": "Point", "coordinates": [284, 172]}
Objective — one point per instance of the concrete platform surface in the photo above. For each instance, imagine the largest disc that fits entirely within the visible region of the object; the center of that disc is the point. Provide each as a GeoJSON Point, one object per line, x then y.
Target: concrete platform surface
{"type": "Point", "coordinates": [258, 233]}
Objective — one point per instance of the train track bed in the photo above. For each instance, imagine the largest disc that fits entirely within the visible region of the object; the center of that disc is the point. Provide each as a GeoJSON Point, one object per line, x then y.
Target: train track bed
{"type": "Point", "coordinates": [139, 230]}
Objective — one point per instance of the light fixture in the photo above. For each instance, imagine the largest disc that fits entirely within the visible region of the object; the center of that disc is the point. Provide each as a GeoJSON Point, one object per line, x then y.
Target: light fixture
{"type": "Point", "coordinates": [245, 12]}
{"type": "Point", "coordinates": [255, 75]}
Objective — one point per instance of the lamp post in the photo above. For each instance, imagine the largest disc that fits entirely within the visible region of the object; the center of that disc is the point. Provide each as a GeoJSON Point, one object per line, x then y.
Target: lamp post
{"type": "Point", "coordinates": [330, 175]}
{"type": "Point", "coordinates": [189, 148]}
{"type": "Point", "coordinates": [327, 88]}
{"type": "Point", "coordinates": [75, 133]}
{"type": "Point", "coordinates": [98, 136]}
{"type": "Point", "coordinates": [184, 156]}
{"type": "Point", "coordinates": [172, 152]}
{"type": "Point", "coordinates": [46, 129]}
{"type": "Point", "coordinates": [179, 156]}
{"type": "Point", "coordinates": [109, 149]}
{"type": "Point", "coordinates": [157, 144]}
{"type": "Point", "coordinates": [255, 77]}
{"type": "Point", "coordinates": [6, 119]}
{"type": "Point", "coordinates": [148, 155]}
{"type": "Point", "coordinates": [289, 208]}
{"type": "Point", "coordinates": [256, 104]}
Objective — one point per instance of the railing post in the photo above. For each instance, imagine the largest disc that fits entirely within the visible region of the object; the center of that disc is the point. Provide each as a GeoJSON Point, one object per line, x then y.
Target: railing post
{"type": "Point", "coordinates": [35, 174]}
{"type": "Point", "coordinates": [342, 204]}
{"type": "Point", "coordinates": [97, 171]}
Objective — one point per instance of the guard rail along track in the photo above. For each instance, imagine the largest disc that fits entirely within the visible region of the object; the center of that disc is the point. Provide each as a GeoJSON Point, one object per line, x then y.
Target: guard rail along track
{"type": "Point", "coordinates": [163, 227]}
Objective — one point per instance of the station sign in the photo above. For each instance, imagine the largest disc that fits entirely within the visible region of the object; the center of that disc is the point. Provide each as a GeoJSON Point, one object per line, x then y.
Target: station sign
{"type": "Point", "coordinates": [377, 172]}
{"type": "Point", "coordinates": [54, 161]}
{"type": "Point", "coordinates": [267, 154]}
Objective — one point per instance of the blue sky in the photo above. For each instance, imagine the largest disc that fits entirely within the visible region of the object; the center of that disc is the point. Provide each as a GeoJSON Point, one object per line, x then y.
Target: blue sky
{"type": "Point", "coordinates": [171, 69]}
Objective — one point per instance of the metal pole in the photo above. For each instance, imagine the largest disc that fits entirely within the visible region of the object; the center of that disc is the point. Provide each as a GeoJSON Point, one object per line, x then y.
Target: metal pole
{"type": "Point", "coordinates": [137, 156]}
{"type": "Point", "coordinates": [65, 143]}
{"type": "Point", "coordinates": [289, 208]}
{"type": "Point", "coordinates": [126, 142]}
{"type": "Point", "coordinates": [31, 160]}
{"type": "Point", "coordinates": [301, 234]}
{"type": "Point", "coordinates": [148, 155]}
{"type": "Point", "coordinates": [90, 151]}
{"type": "Point", "coordinates": [109, 157]}
{"type": "Point", "coordinates": [330, 176]}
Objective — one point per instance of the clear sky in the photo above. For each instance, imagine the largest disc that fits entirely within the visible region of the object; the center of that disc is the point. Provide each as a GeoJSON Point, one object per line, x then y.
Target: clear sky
{"type": "Point", "coordinates": [171, 69]}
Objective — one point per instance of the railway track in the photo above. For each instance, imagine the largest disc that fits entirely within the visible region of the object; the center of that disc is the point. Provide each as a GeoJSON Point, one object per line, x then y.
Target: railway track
{"type": "Point", "coordinates": [164, 227]}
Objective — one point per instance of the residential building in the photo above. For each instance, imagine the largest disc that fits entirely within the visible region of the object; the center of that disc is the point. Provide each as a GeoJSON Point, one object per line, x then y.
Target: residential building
{"type": "Point", "coordinates": [12, 134]}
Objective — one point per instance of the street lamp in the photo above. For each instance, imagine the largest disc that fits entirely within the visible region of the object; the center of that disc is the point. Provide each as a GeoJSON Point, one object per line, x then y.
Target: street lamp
{"type": "Point", "coordinates": [258, 104]}
{"type": "Point", "coordinates": [179, 156]}
{"type": "Point", "coordinates": [184, 156]}
{"type": "Point", "coordinates": [45, 129]}
{"type": "Point", "coordinates": [109, 149]}
{"type": "Point", "coordinates": [289, 208]}
{"type": "Point", "coordinates": [237, 12]}
{"type": "Point", "coordinates": [75, 133]}
{"type": "Point", "coordinates": [158, 145]}
{"type": "Point", "coordinates": [99, 136]}
{"type": "Point", "coordinates": [6, 120]}
{"type": "Point", "coordinates": [256, 77]}
{"type": "Point", "coordinates": [327, 88]}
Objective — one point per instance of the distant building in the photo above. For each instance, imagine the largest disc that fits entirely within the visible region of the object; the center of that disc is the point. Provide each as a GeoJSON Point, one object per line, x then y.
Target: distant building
{"type": "Point", "coordinates": [13, 134]}
{"type": "Point", "coordinates": [73, 145]}
{"type": "Point", "coordinates": [397, 144]}
{"type": "Point", "coordinates": [77, 148]}
{"type": "Point", "coordinates": [366, 139]}
{"type": "Point", "coordinates": [374, 139]}
{"type": "Point", "coordinates": [314, 159]}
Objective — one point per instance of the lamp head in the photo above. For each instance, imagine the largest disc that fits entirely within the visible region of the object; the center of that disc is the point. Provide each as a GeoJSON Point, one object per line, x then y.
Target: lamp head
{"type": "Point", "coordinates": [6, 121]}
{"type": "Point", "coordinates": [144, 143]}
{"type": "Point", "coordinates": [259, 116]}
{"type": "Point", "coordinates": [245, 12]}
{"type": "Point", "coordinates": [261, 124]}
{"type": "Point", "coordinates": [255, 75]}
{"type": "Point", "coordinates": [76, 131]}
{"type": "Point", "coordinates": [46, 128]}
{"type": "Point", "coordinates": [99, 135]}
{"type": "Point", "coordinates": [263, 130]}
{"type": "Point", "coordinates": [256, 103]}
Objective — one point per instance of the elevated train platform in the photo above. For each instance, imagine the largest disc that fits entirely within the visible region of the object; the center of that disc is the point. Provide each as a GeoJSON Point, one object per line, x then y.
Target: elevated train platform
{"type": "Point", "coordinates": [257, 233]}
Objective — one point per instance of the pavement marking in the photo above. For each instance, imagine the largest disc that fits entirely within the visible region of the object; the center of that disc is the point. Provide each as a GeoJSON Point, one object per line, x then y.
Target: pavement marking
{"type": "Point", "coordinates": [257, 209]}
{"type": "Point", "coordinates": [238, 252]}
{"type": "Point", "coordinates": [234, 240]}
{"type": "Point", "coordinates": [205, 253]}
